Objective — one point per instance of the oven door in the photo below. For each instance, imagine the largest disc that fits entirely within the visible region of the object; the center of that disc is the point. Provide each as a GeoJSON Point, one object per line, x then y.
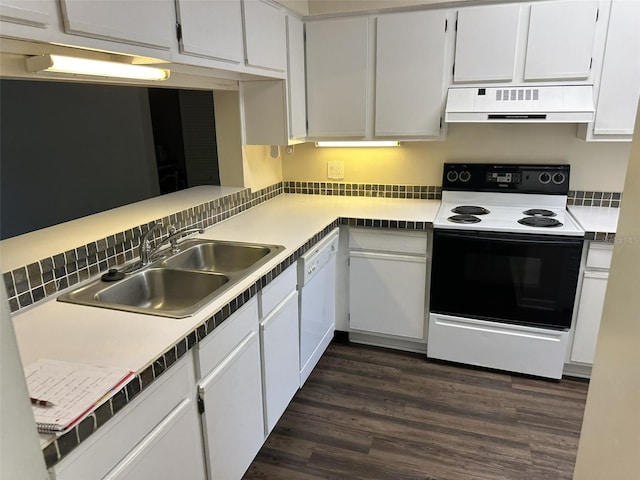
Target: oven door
{"type": "Point", "coordinates": [510, 278]}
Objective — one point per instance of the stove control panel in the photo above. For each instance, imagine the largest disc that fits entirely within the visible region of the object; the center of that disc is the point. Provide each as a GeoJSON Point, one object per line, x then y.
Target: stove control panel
{"type": "Point", "coordinates": [504, 177]}
{"type": "Point", "coordinates": [485, 177]}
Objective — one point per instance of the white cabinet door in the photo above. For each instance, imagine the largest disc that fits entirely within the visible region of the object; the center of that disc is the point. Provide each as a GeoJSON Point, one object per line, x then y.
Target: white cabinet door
{"type": "Point", "coordinates": [280, 358]}
{"type": "Point", "coordinates": [265, 35]}
{"type": "Point", "coordinates": [594, 287]}
{"type": "Point", "coordinates": [232, 418]}
{"type": "Point", "coordinates": [211, 29]}
{"type": "Point", "coordinates": [387, 293]}
{"type": "Point", "coordinates": [172, 450]}
{"type": "Point", "coordinates": [296, 80]}
{"type": "Point", "coordinates": [274, 111]}
{"type": "Point", "coordinates": [337, 77]}
{"type": "Point", "coordinates": [36, 13]}
{"type": "Point", "coordinates": [620, 80]}
{"type": "Point", "coordinates": [560, 40]}
{"type": "Point", "coordinates": [149, 24]}
{"type": "Point", "coordinates": [486, 41]}
{"type": "Point", "coordinates": [410, 73]}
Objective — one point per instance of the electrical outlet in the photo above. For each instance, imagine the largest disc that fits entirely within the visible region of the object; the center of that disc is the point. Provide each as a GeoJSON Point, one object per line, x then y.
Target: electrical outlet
{"type": "Point", "coordinates": [335, 170]}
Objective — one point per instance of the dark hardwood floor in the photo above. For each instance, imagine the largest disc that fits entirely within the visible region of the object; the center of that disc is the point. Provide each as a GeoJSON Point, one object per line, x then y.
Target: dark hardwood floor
{"type": "Point", "coordinates": [371, 413]}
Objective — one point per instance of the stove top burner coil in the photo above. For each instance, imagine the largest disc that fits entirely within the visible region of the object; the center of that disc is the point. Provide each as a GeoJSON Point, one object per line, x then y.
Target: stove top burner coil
{"type": "Point", "coordinates": [470, 210]}
{"type": "Point", "coordinates": [539, 212]}
{"type": "Point", "coordinates": [465, 218]}
{"type": "Point", "coordinates": [540, 222]}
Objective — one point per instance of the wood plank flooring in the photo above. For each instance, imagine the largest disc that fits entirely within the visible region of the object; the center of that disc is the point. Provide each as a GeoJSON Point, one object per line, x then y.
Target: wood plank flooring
{"type": "Point", "coordinates": [371, 413]}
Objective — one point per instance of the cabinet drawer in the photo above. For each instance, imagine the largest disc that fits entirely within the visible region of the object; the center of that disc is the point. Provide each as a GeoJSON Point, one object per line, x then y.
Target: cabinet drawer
{"type": "Point", "coordinates": [277, 291]}
{"type": "Point", "coordinates": [157, 456]}
{"type": "Point", "coordinates": [99, 453]}
{"type": "Point", "coordinates": [599, 255]}
{"type": "Point", "coordinates": [215, 348]}
{"type": "Point", "coordinates": [413, 243]}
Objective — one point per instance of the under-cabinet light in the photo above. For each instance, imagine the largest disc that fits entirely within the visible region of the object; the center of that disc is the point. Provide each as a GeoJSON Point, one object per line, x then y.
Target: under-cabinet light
{"type": "Point", "coordinates": [363, 143]}
{"type": "Point", "coordinates": [99, 68]}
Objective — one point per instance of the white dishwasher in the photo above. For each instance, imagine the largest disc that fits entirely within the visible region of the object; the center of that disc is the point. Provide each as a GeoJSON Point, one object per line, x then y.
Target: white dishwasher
{"type": "Point", "coordinates": [317, 301]}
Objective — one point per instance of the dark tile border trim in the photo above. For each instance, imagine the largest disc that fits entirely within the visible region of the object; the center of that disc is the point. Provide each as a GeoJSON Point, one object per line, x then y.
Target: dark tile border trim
{"type": "Point", "coordinates": [64, 444]}
{"type": "Point", "coordinates": [581, 198]}
{"type": "Point", "coordinates": [47, 277]}
{"type": "Point", "coordinates": [606, 237]}
{"type": "Point", "coordinates": [416, 192]}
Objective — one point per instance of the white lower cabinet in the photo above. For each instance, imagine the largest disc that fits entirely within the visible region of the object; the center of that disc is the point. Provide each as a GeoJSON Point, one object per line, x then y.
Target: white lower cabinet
{"type": "Point", "coordinates": [230, 393]}
{"type": "Point", "coordinates": [279, 337]}
{"type": "Point", "coordinates": [172, 450]}
{"type": "Point", "coordinates": [387, 283]}
{"type": "Point", "coordinates": [591, 303]}
{"type": "Point", "coordinates": [157, 435]}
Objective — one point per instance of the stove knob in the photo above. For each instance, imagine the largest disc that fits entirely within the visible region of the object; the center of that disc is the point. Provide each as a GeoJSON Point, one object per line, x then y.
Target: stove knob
{"type": "Point", "coordinates": [465, 176]}
{"type": "Point", "coordinates": [559, 178]}
{"type": "Point", "coordinates": [452, 176]}
{"type": "Point", "coordinates": [544, 177]}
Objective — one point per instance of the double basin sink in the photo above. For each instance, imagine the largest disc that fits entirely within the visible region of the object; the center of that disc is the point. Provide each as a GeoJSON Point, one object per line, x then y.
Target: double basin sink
{"type": "Point", "coordinates": [178, 285]}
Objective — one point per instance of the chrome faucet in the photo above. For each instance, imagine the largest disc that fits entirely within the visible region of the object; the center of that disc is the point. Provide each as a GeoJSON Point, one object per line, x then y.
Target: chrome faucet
{"type": "Point", "coordinates": [145, 244]}
{"type": "Point", "coordinates": [173, 234]}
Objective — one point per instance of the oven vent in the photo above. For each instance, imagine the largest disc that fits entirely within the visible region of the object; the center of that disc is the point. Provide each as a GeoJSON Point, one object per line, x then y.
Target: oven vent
{"type": "Point", "coordinates": [513, 94]}
{"type": "Point", "coordinates": [550, 104]}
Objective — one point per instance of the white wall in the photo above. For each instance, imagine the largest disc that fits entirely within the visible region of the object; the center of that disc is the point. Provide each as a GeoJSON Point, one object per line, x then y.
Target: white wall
{"type": "Point", "coordinates": [20, 454]}
{"type": "Point", "coordinates": [594, 165]}
{"type": "Point", "coordinates": [241, 166]}
{"type": "Point", "coordinates": [260, 168]}
{"type": "Point", "coordinates": [610, 440]}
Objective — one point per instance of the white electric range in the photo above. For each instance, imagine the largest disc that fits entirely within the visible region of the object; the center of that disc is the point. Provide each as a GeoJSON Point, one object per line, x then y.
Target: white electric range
{"type": "Point", "coordinates": [505, 267]}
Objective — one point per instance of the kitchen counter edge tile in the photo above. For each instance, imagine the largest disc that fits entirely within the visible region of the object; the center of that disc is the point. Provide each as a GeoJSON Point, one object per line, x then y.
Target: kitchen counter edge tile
{"type": "Point", "coordinates": [599, 223]}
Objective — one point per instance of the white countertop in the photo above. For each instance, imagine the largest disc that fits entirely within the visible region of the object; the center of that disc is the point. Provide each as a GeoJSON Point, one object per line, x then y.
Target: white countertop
{"type": "Point", "coordinates": [101, 336]}
{"type": "Point", "coordinates": [596, 219]}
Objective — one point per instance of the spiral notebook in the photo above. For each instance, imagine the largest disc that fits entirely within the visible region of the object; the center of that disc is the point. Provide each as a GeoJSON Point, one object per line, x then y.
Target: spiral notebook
{"type": "Point", "coordinates": [74, 389]}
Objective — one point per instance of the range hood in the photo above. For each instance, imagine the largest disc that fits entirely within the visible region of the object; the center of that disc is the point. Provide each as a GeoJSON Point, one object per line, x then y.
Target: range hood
{"type": "Point", "coordinates": [521, 104]}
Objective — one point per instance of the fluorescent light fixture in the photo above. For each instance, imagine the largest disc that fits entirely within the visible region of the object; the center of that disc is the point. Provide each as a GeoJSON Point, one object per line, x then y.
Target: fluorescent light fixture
{"type": "Point", "coordinates": [363, 143]}
{"type": "Point", "coordinates": [97, 68]}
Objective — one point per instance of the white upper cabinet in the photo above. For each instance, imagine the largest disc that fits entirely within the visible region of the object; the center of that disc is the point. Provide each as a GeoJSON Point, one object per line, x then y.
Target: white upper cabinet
{"type": "Point", "coordinates": [337, 77]}
{"type": "Point", "coordinates": [211, 29]}
{"type": "Point", "coordinates": [486, 41]}
{"type": "Point", "coordinates": [265, 35]}
{"type": "Point", "coordinates": [409, 87]}
{"type": "Point", "coordinates": [35, 13]}
{"type": "Point", "coordinates": [296, 91]}
{"type": "Point", "coordinates": [550, 41]}
{"type": "Point", "coordinates": [148, 24]}
{"type": "Point", "coordinates": [560, 40]}
{"type": "Point", "coordinates": [274, 111]}
{"type": "Point", "coordinates": [619, 86]}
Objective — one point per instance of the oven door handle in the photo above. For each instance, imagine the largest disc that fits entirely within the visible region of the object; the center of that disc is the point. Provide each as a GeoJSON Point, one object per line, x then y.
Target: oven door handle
{"type": "Point", "coordinates": [511, 238]}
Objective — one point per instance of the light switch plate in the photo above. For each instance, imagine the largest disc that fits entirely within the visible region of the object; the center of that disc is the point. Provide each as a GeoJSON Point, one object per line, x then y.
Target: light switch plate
{"type": "Point", "coordinates": [335, 170]}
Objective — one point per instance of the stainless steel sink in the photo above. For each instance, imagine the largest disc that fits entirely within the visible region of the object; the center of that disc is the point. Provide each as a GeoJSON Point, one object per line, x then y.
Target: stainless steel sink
{"type": "Point", "coordinates": [217, 256]}
{"type": "Point", "coordinates": [162, 289]}
{"type": "Point", "coordinates": [178, 285]}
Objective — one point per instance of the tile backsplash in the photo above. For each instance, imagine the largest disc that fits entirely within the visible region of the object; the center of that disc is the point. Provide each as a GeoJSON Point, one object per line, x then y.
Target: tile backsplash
{"type": "Point", "coordinates": [583, 198]}
{"type": "Point", "coordinates": [48, 276]}
{"type": "Point", "coordinates": [424, 192]}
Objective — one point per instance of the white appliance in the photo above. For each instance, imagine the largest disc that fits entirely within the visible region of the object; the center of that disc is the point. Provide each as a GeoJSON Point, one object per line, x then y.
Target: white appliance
{"type": "Point", "coordinates": [505, 263]}
{"type": "Point", "coordinates": [317, 301]}
{"type": "Point", "coordinates": [520, 104]}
